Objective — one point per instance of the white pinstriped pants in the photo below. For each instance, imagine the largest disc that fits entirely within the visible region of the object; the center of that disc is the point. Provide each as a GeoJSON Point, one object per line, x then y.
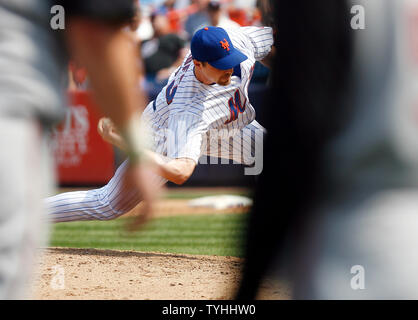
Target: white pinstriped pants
{"type": "Point", "coordinates": [106, 203]}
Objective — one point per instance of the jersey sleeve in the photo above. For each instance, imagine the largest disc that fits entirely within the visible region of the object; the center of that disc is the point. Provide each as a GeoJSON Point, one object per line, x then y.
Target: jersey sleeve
{"type": "Point", "coordinates": [261, 39]}
{"type": "Point", "coordinates": [185, 136]}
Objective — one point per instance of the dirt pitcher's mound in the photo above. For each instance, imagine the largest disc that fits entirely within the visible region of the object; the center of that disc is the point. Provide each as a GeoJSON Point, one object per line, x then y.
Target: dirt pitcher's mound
{"type": "Point", "coordinates": [106, 274]}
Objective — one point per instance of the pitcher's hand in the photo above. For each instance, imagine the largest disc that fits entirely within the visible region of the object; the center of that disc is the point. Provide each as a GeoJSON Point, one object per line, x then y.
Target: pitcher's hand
{"type": "Point", "coordinates": [110, 133]}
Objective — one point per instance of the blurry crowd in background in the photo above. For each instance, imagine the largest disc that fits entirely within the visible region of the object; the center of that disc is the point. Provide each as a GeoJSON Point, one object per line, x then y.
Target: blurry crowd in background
{"type": "Point", "coordinates": [163, 30]}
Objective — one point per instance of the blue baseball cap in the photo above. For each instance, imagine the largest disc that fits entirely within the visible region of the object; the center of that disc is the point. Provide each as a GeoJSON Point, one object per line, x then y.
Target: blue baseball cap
{"type": "Point", "coordinates": [212, 45]}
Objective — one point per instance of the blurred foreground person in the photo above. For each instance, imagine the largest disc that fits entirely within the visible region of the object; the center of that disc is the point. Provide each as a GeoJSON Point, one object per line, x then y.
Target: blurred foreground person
{"type": "Point", "coordinates": [33, 68]}
{"type": "Point", "coordinates": [345, 224]}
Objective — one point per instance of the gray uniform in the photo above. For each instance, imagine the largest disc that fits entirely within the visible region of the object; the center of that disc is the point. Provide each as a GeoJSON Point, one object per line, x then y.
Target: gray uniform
{"type": "Point", "coordinates": [363, 242]}
{"type": "Point", "coordinates": [32, 72]}
{"type": "Point", "coordinates": [31, 57]}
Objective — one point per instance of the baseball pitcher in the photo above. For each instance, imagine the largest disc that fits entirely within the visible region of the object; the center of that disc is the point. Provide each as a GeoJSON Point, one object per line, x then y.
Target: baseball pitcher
{"type": "Point", "coordinates": [202, 108]}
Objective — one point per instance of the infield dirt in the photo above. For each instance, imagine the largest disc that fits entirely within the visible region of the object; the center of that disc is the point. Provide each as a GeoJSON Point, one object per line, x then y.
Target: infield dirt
{"type": "Point", "coordinates": [105, 274]}
{"type": "Point", "coordinates": [68, 273]}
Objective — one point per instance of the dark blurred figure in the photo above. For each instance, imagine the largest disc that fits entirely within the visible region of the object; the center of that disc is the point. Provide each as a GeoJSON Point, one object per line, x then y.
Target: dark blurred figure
{"type": "Point", "coordinates": [337, 207]}
{"type": "Point", "coordinates": [309, 74]}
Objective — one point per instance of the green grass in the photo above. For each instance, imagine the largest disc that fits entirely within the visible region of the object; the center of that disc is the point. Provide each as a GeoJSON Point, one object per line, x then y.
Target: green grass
{"type": "Point", "coordinates": [204, 234]}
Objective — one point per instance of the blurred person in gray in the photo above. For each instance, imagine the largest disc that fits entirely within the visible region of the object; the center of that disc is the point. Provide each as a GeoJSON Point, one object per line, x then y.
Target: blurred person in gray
{"type": "Point", "coordinates": [33, 64]}
{"type": "Point", "coordinates": [347, 190]}
{"type": "Point", "coordinates": [362, 241]}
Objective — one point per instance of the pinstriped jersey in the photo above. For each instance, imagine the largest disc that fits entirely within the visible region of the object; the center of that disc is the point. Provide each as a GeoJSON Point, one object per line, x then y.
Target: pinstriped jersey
{"type": "Point", "coordinates": [187, 109]}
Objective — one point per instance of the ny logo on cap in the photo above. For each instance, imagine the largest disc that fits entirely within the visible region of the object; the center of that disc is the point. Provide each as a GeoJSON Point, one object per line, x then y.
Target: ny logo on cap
{"type": "Point", "coordinates": [224, 44]}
